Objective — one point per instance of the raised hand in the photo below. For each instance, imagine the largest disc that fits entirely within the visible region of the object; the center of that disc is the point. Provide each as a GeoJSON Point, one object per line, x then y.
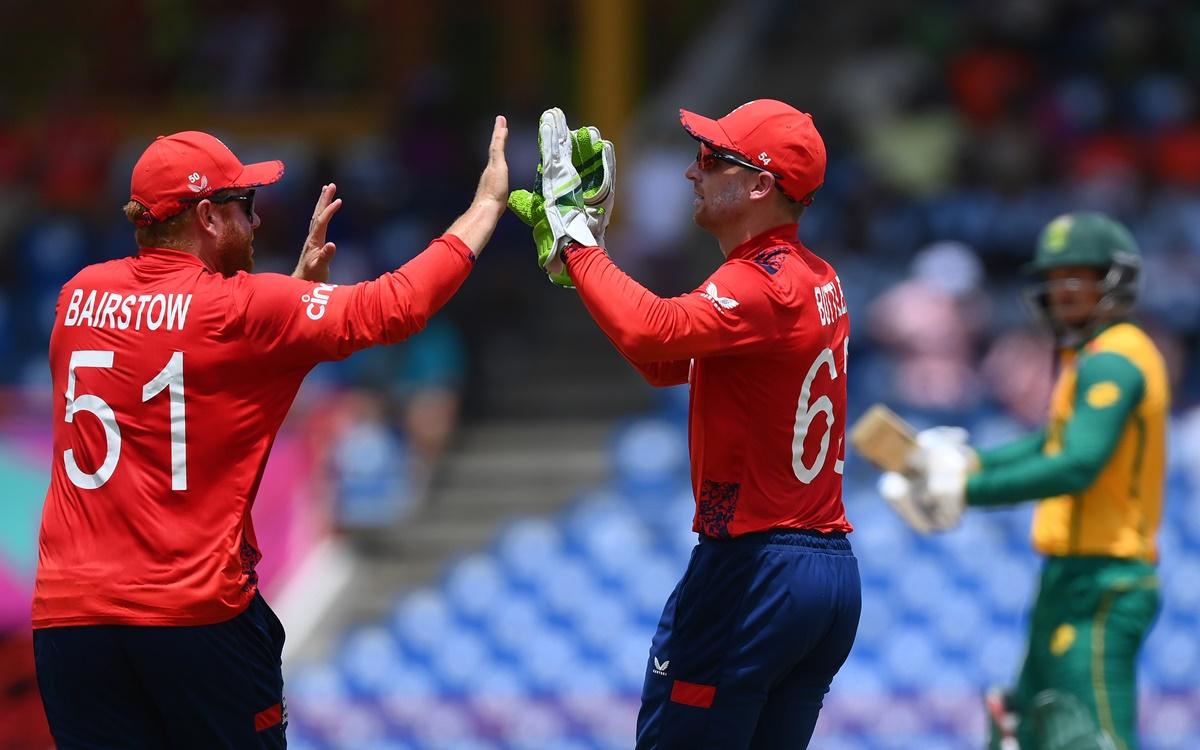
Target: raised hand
{"type": "Point", "coordinates": [475, 227]}
{"type": "Point", "coordinates": [316, 254]}
{"type": "Point", "coordinates": [493, 182]}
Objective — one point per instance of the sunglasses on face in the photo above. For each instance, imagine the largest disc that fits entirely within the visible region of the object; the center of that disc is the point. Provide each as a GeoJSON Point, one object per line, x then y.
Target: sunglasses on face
{"type": "Point", "coordinates": [246, 199]}
{"type": "Point", "coordinates": [707, 157]}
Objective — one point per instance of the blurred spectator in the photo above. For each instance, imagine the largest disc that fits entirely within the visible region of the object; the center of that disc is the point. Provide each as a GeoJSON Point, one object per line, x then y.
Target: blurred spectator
{"type": "Point", "coordinates": [369, 465]}
{"type": "Point", "coordinates": [1019, 372]}
{"type": "Point", "coordinates": [422, 381]}
{"type": "Point", "coordinates": [930, 324]}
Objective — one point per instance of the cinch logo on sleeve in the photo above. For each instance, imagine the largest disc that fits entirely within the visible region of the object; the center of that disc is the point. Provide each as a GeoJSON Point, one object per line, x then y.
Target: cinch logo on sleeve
{"type": "Point", "coordinates": [317, 300]}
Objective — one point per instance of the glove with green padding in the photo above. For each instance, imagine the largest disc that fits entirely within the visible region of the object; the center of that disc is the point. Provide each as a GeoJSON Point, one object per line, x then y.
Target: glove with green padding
{"type": "Point", "coordinates": [580, 186]}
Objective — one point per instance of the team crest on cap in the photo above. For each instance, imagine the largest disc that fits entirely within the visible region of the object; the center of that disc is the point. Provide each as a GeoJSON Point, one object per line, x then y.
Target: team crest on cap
{"type": "Point", "coordinates": [1056, 233]}
{"type": "Point", "coordinates": [195, 177]}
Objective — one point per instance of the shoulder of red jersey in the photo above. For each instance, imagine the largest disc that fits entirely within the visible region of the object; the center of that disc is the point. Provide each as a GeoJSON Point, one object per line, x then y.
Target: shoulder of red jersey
{"type": "Point", "coordinates": [99, 272]}
{"type": "Point", "coordinates": [775, 257]}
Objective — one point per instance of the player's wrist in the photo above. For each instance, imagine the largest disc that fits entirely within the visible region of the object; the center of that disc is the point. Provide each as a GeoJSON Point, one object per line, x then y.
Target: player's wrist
{"type": "Point", "coordinates": [490, 206]}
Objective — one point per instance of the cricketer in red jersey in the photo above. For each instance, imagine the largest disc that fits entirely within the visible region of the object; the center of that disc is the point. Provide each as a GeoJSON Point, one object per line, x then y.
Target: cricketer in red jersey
{"type": "Point", "coordinates": [766, 614]}
{"type": "Point", "coordinates": [175, 369]}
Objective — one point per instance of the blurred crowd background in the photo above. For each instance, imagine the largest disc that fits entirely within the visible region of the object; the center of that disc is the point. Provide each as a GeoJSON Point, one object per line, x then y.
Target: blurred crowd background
{"type": "Point", "coordinates": [955, 131]}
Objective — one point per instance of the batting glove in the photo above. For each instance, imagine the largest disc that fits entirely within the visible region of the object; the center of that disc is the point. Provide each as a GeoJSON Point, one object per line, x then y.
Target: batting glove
{"type": "Point", "coordinates": [931, 496]}
{"type": "Point", "coordinates": [945, 458]}
{"type": "Point", "coordinates": [909, 497]}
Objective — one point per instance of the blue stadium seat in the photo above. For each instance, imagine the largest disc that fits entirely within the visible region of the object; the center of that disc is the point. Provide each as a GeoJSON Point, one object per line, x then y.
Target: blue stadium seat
{"type": "Point", "coordinates": [877, 620]}
{"type": "Point", "coordinates": [420, 619]}
{"type": "Point", "coordinates": [1172, 656]}
{"type": "Point", "coordinates": [907, 656]}
{"type": "Point", "coordinates": [371, 660]}
{"type": "Point", "coordinates": [513, 621]}
{"type": "Point", "coordinates": [999, 655]}
{"type": "Point", "coordinates": [649, 452]}
{"type": "Point", "coordinates": [567, 588]}
{"type": "Point", "coordinates": [958, 620]}
{"type": "Point", "coordinates": [1009, 585]}
{"type": "Point", "coordinates": [531, 725]}
{"type": "Point", "coordinates": [543, 640]}
{"type": "Point", "coordinates": [458, 659]}
{"type": "Point", "coordinates": [922, 584]}
{"type": "Point", "coordinates": [528, 547]}
{"type": "Point", "coordinates": [358, 726]}
{"type": "Point", "coordinates": [648, 589]}
{"type": "Point", "coordinates": [546, 658]}
{"type": "Point", "coordinates": [474, 585]}
{"type": "Point", "coordinates": [617, 547]}
{"type": "Point", "coordinates": [594, 624]}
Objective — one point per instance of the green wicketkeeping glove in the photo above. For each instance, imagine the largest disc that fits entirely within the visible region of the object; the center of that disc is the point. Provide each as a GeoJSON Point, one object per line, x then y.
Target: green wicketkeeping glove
{"type": "Point", "coordinates": [581, 186]}
{"type": "Point", "coordinates": [596, 160]}
{"type": "Point", "coordinates": [530, 208]}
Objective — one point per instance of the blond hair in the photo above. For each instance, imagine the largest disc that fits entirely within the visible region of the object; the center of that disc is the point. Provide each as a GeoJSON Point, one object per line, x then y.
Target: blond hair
{"type": "Point", "coordinates": [164, 233]}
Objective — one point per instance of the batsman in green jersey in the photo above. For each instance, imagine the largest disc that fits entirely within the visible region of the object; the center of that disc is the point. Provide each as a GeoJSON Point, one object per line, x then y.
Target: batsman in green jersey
{"type": "Point", "coordinates": [1098, 468]}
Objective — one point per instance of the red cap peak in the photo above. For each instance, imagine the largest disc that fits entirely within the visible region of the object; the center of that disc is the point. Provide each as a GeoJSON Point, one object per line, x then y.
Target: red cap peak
{"type": "Point", "coordinates": [180, 169]}
{"type": "Point", "coordinates": [775, 136]}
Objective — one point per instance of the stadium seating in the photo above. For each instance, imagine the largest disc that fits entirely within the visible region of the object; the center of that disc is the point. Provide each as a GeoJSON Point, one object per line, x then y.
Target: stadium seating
{"type": "Point", "coordinates": [540, 641]}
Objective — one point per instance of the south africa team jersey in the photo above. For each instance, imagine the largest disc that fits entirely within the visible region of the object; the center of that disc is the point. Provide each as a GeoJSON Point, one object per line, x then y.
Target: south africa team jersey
{"type": "Point", "coordinates": [762, 343]}
{"type": "Point", "coordinates": [1119, 513]}
{"type": "Point", "coordinates": [170, 383]}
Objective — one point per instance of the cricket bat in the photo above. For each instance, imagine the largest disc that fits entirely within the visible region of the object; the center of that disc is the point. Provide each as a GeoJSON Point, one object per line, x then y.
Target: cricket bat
{"type": "Point", "coordinates": [884, 439]}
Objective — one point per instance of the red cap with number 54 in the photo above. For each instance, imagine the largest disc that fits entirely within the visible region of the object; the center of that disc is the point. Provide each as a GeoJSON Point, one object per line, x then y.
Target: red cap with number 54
{"type": "Point", "coordinates": [773, 136]}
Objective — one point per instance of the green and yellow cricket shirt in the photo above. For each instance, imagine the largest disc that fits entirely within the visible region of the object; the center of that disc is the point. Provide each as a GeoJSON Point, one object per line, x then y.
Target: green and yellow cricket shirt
{"type": "Point", "coordinates": [1099, 464]}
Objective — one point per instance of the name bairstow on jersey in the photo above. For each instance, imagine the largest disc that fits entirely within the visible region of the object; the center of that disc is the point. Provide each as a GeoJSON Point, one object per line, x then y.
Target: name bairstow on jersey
{"type": "Point", "coordinates": [831, 303]}
{"type": "Point", "coordinates": [119, 311]}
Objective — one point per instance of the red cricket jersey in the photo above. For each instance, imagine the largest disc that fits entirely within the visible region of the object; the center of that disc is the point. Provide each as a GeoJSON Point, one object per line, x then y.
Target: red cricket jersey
{"type": "Point", "coordinates": [171, 382]}
{"type": "Point", "coordinates": [763, 344]}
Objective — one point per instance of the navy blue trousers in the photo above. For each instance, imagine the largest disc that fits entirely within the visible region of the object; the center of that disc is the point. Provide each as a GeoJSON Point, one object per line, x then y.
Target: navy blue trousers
{"type": "Point", "coordinates": [132, 687]}
{"type": "Point", "coordinates": [749, 642]}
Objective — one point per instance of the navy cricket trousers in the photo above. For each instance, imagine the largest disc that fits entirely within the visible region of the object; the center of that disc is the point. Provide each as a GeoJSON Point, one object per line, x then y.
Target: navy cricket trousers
{"type": "Point", "coordinates": [749, 642]}
{"type": "Point", "coordinates": [135, 687]}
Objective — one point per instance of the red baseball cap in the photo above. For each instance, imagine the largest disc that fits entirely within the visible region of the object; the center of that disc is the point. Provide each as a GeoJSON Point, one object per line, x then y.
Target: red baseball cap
{"type": "Point", "coordinates": [774, 136]}
{"type": "Point", "coordinates": [178, 170]}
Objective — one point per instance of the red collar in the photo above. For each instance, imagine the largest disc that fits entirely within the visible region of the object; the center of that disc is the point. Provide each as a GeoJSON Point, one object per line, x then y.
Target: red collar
{"type": "Point", "coordinates": [169, 255]}
{"type": "Point", "coordinates": [781, 235]}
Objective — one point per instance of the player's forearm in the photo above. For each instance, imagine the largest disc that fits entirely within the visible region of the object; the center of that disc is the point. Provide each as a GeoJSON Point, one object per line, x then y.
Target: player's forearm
{"type": "Point", "coordinates": [1089, 442]}
{"type": "Point", "coordinates": [476, 225]}
{"type": "Point", "coordinates": [1108, 389]}
{"type": "Point", "coordinates": [398, 304]}
{"type": "Point", "coordinates": [1034, 478]}
{"type": "Point", "coordinates": [639, 323]}
{"type": "Point", "coordinates": [1017, 450]}
{"type": "Point", "coordinates": [657, 374]}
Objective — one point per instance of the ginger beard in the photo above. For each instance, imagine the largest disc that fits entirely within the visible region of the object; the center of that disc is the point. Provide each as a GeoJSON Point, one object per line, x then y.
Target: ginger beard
{"type": "Point", "coordinates": [235, 246]}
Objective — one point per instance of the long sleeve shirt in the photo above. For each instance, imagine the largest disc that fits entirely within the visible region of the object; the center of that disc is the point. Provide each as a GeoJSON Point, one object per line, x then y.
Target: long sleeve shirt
{"type": "Point", "coordinates": [762, 343]}
{"type": "Point", "coordinates": [1098, 467]}
{"type": "Point", "coordinates": [171, 382]}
